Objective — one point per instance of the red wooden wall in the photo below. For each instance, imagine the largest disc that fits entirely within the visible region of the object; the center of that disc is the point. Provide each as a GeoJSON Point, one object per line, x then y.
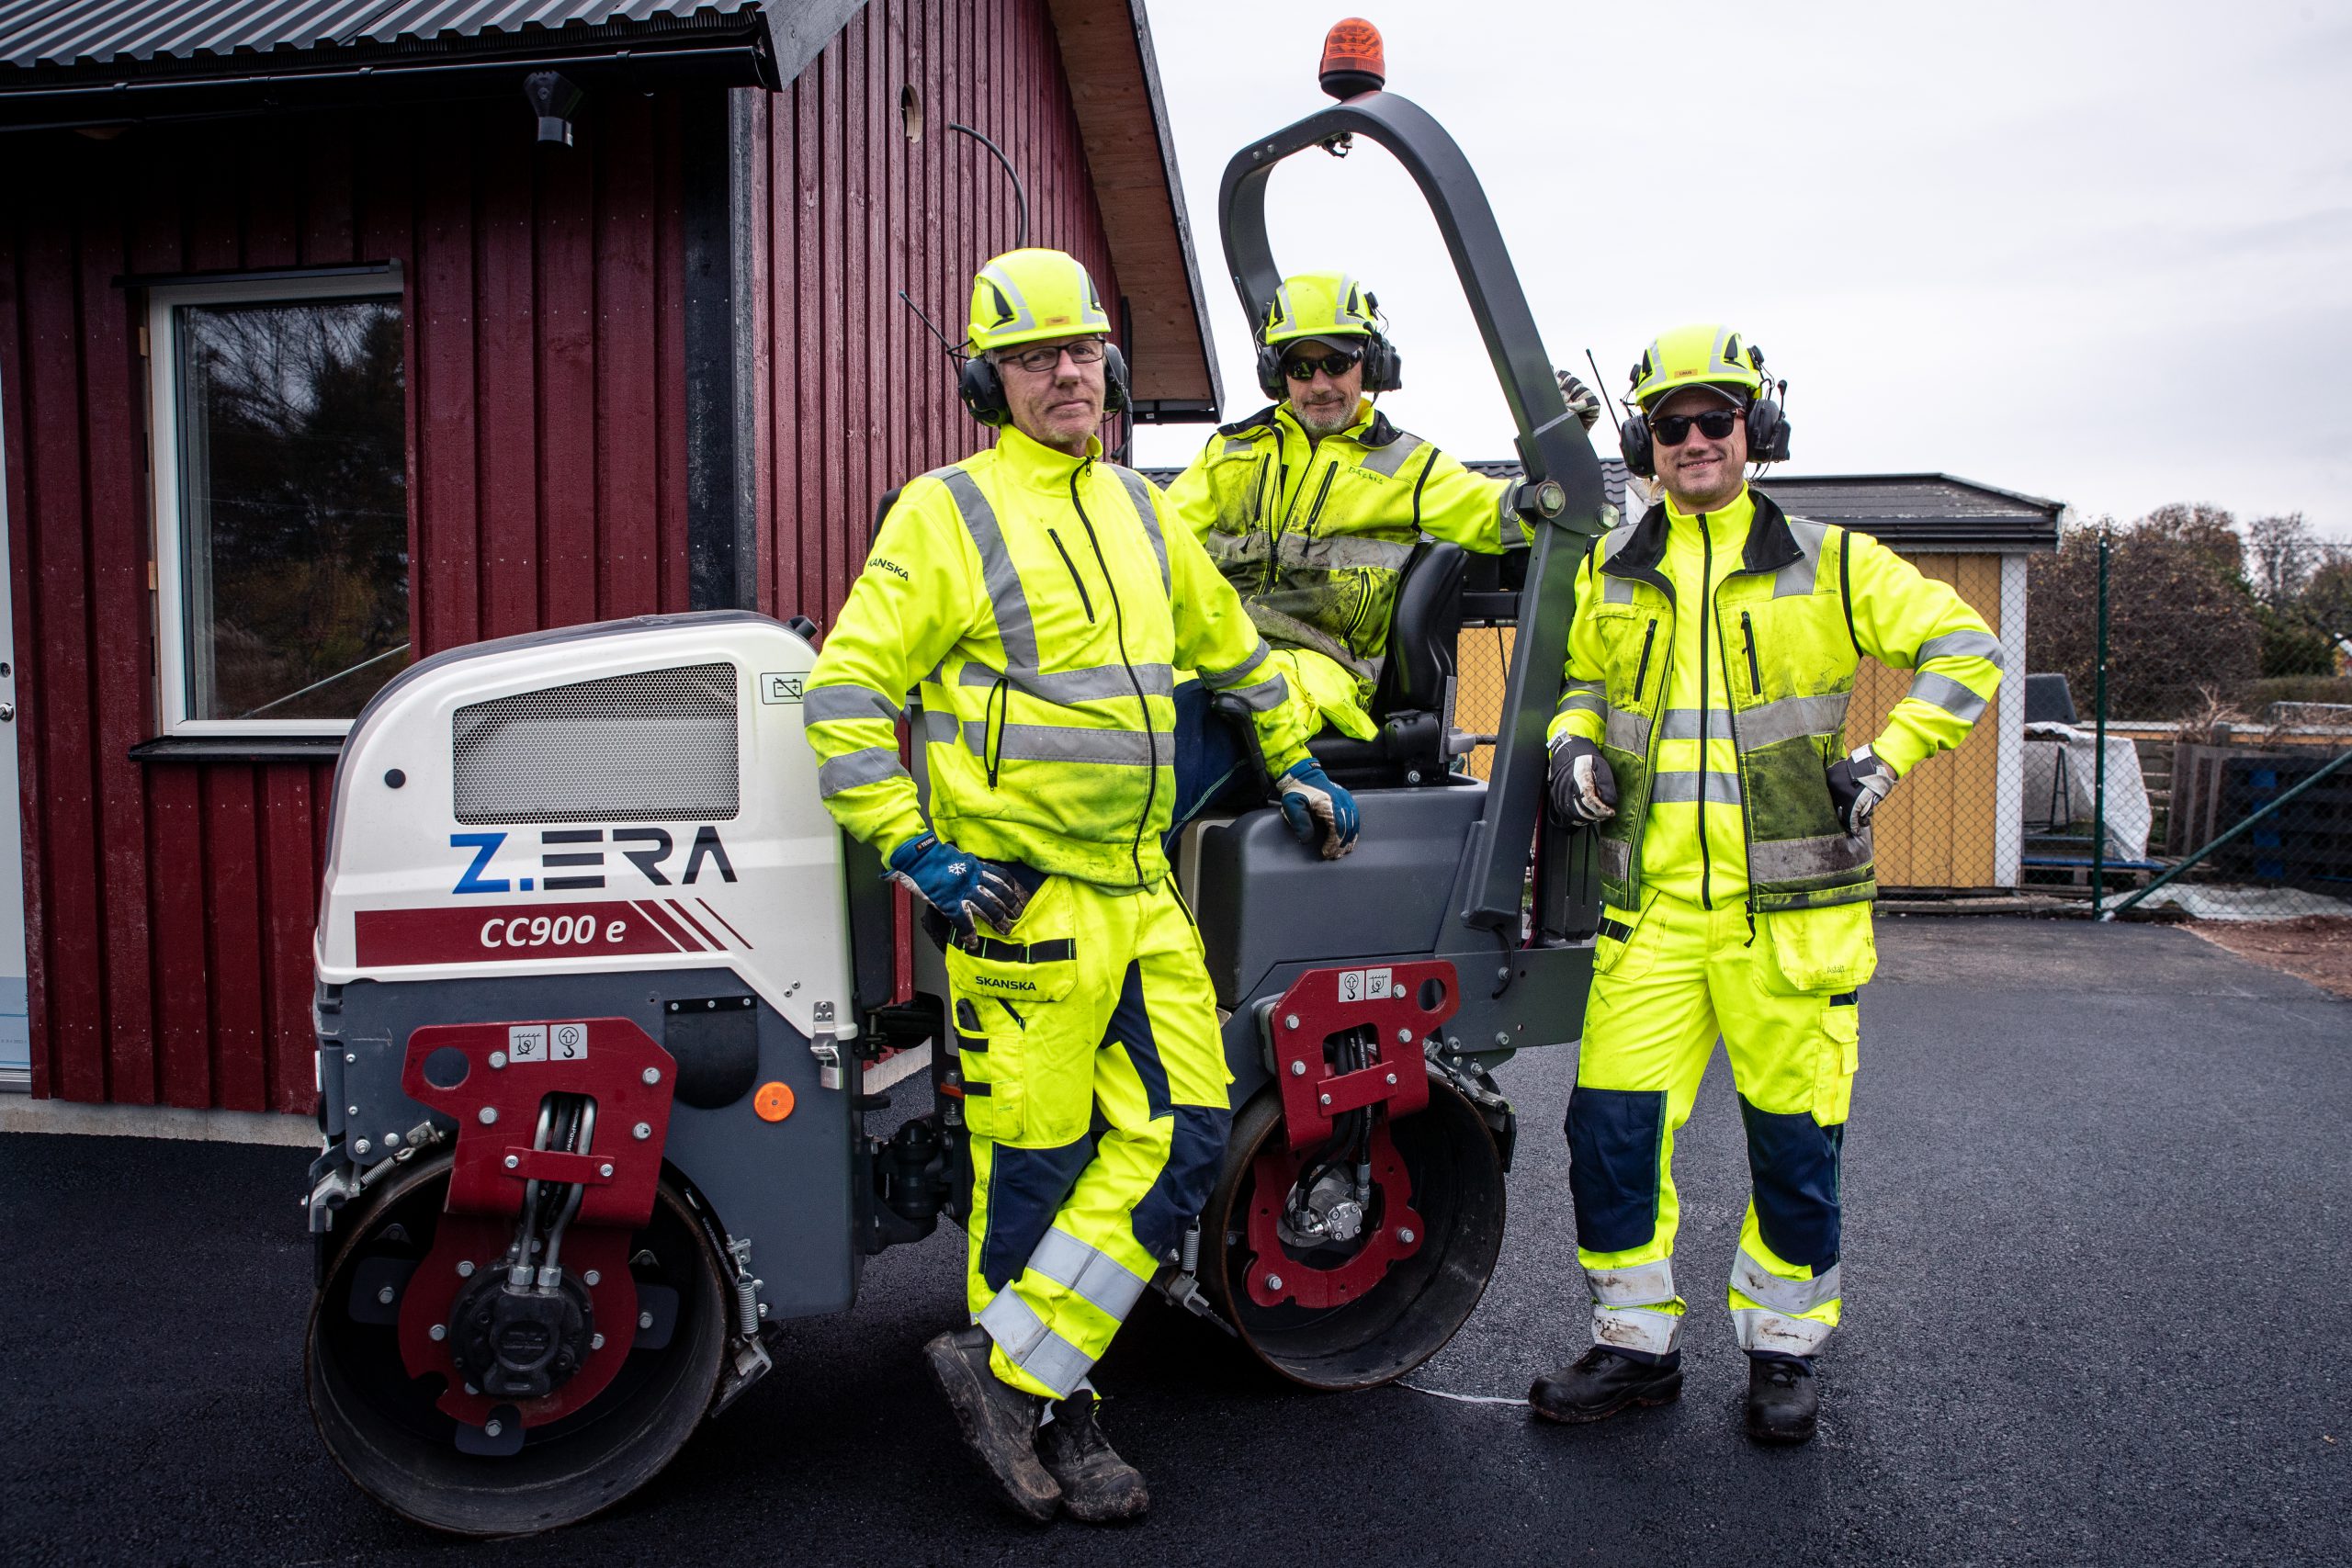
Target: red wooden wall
{"type": "Point", "coordinates": [170, 905]}
{"type": "Point", "coordinates": [856, 395]}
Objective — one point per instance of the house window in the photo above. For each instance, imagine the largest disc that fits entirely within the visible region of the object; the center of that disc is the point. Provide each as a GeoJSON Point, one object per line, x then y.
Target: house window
{"type": "Point", "coordinates": [281, 481]}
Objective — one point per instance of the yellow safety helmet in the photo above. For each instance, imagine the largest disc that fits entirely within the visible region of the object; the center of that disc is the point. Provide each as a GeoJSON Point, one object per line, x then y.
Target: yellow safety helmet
{"type": "Point", "coordinates": [1318, 304]}
{"type": "Point", "coordinates": [1706, 354]}
{"type": "Point", "coordinates": [1023, 296]}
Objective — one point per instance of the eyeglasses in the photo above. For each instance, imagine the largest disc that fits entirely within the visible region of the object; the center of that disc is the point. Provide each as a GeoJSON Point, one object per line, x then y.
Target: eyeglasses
{"type": "Point", "coordinates": [1332, 364]}
{"type": "Point", "coordinates": [1038, 361]}
{"type": "Point", "coordinates": [1674, 429]}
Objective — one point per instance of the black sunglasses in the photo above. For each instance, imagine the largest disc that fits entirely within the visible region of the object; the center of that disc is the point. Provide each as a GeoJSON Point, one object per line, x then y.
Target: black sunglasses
{"type": "Point", "coordinates": [1332, 364]}
{"type": "Point", "coordinates": [1674, 429]}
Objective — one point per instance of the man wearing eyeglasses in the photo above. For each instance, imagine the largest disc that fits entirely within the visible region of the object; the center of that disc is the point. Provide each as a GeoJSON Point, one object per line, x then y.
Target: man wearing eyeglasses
{"type": "Point", "coordinates": [1312, 506]}
{"type": "Point", "coordinates": [1044, 599]}
{"type": "Point", "coordinates": [1702, 737]}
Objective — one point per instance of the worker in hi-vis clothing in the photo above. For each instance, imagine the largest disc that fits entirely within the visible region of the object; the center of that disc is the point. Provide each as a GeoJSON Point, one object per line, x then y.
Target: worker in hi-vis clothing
{"type": "Point", "coordinates": [1312, 505]}
{"type": "Point", "coordinates": [1702, 737]}
{"type": "Point", "coordinates": [1044, 599]}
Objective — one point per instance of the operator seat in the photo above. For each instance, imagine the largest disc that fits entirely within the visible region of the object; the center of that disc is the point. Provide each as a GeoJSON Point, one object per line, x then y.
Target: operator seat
{"type": "Point", "coordinates": [1413, 702]}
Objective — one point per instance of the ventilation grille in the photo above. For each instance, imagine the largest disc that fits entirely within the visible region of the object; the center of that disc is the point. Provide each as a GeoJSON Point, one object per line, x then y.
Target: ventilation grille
{"type": "Point", "coordinates": [655, 746]}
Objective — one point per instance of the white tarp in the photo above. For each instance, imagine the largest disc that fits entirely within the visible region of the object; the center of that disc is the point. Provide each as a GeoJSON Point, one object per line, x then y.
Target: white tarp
{"type": "Point", "coordinates": [2061, 778]}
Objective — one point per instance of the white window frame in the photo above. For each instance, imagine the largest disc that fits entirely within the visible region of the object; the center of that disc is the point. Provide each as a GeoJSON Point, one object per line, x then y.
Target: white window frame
{"type": "Point", "coordinates": [170, 527]}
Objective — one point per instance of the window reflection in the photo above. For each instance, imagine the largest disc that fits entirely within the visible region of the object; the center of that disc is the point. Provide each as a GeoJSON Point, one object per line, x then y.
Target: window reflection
{"type": "Point", "coordinates": [295, 509]}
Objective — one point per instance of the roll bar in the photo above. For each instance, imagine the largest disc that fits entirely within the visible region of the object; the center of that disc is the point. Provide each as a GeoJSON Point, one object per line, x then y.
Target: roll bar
{"type": "Point", "coordinates": [1552, 446]}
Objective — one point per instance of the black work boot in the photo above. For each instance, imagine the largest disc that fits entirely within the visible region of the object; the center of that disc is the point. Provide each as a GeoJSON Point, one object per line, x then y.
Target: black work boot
{"type": "Point", "coordinates": [1600, 1382]}
{"type": "Point", "coordinates": [1783, 1400]}
{"type": "Point", "coordinates": [1098, 1487]}
{"type": "Point", "coordinates": [999, 1421]}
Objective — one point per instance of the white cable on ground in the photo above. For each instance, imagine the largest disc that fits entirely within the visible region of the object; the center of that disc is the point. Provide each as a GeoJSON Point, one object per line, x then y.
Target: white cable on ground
{"type": "Point", "coordinates": [1463, 1398]}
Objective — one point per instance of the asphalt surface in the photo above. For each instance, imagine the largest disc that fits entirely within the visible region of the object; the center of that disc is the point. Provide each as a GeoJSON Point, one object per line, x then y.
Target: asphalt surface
{"type": "Point", "coordinates": [2099, 1280]}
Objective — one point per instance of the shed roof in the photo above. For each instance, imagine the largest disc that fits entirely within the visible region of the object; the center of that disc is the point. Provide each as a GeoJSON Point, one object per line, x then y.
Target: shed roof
{"type": "Point", "coordinates": [1935, 512]}
{"type": "Point", "coordinates": [1918, 511]}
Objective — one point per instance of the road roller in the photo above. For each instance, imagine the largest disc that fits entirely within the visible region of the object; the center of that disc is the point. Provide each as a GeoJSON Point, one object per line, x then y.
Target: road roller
{"type": "Point", "coordinates": [606, 1003]}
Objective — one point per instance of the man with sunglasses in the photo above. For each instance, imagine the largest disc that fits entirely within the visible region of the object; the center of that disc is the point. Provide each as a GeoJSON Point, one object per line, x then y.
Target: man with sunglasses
{"type": "Point", "coordinates": [1312, 506]}
{"type": "Point", "coordinates": [1044, 599]}
{"type": "Point", "coordinates": [1702, 737]}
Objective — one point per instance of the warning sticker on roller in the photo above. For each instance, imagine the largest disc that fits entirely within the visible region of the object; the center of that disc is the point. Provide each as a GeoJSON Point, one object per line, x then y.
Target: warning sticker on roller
{"type": "Point", "coordinates": [1376, 985]}
{"type": "Point", "coordinates": [1366, 985]}
{"type": "Point", "coordinates": [527, 1042]}
{"type": "Point", "coordinates": [568, 1042]}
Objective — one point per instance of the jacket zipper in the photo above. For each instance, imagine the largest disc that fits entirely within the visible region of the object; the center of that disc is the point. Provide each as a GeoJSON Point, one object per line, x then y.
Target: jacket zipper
{"type": "Point", "coordinates": [1143, 705]}
{"type": "Point", "coordinates": [1706, 601]}
{"type": "Point", "coordinates": [993, 727]}
{"type": "Point", "coordinates": [1642, 675]}
{"type": "Point", "coordinates": [1084, 601]}
{"type": "Point", "coordinates": [1739, 761]}
{"type": "Point", "coordinates": [1322, 495]}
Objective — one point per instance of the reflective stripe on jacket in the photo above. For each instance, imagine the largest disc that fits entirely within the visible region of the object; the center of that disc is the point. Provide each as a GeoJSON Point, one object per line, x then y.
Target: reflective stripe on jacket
{"type": "Point", "coordinates": [1315, 534]}
{"type": "Point", "coordinates": [1727, 765]}
{"type": "Point", "coordinates": [1044, 603]}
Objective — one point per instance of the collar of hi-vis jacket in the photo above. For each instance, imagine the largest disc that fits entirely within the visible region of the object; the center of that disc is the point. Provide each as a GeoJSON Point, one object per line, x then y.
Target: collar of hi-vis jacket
{"type": "Point", "coordinates": [1036, 466]}
{"type": "Point", "coordinates": [1772, 544]}
{"type": "Point", "coordinates": [1371, 431]}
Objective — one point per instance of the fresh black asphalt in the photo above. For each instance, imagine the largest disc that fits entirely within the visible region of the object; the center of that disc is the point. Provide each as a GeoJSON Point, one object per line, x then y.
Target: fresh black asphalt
{"type": "Point", "coordinates": [2100, 1297]}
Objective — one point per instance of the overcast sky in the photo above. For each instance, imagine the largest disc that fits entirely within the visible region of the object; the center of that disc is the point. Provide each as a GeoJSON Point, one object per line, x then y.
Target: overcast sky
{"type": "Point", "coordinates": [2100, 253]}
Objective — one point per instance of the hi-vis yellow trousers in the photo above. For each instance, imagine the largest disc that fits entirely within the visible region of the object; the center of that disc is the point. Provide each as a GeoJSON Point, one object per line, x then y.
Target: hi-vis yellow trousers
{"type": "Point", "coordinates": [1095, 1095]}
{"type": "Point", "coordinates": [1666, 983]}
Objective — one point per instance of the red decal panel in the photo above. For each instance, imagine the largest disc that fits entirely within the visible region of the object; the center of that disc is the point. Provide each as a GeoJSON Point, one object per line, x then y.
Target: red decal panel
{"type": "Point", "coordinates": [502, 934]}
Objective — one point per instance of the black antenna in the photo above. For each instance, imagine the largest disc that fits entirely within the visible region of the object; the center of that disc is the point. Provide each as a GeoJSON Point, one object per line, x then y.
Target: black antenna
{"type": "Point", "coordinates": [1602, 388]}
{"type": "Point", "coordinates": [954, 353]}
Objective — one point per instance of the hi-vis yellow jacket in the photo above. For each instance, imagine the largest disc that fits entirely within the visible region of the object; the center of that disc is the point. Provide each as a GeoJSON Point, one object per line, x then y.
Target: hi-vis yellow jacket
{"type": "Point", "coordinates": [1316, 535]}
{"type": "Point", "coordinates": [1044, 601]}
{"type": "Point", "coordinates": [1712, 659]}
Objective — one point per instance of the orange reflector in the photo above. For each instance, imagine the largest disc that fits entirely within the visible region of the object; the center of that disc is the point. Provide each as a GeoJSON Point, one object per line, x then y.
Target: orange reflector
{"type": "Point", "coordinates": [774, 1102]}
{"type": "Point", "coordinates": [1354, 60]}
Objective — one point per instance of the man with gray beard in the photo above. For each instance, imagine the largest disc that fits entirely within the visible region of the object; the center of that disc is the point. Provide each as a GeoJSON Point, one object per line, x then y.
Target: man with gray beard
{"type": "Point", "coordinates": [1312, 506]}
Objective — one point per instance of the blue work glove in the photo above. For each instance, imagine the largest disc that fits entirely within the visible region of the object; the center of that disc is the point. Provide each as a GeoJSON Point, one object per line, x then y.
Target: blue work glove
{"type": "Point", "coordinates": [1856, 783]}
{"type": "Point", "coordinates": [963, 888]}
{"type": "Point", "coordinates": [1314, 806]}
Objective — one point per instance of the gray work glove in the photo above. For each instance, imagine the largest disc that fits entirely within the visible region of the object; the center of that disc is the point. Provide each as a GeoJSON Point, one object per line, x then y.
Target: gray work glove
{"type": "Point", "coordinates": [1582, 400]}
{"type": "Point", "coordinates": [1584, 790]}
{"type": "Point", "coordinates": [1856, 783]}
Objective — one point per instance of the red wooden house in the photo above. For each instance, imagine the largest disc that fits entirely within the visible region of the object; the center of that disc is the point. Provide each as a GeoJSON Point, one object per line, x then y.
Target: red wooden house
{"type": "Point", "coordinates": [333, 335]}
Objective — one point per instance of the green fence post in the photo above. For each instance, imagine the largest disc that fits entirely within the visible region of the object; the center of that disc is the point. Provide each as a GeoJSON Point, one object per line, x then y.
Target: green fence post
{"type": "Point", "coordinates": [2098, 763]}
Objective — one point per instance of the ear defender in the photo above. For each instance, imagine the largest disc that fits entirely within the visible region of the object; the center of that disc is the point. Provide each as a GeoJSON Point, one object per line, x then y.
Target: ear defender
{"type": "Point", "coordinates": [1117, 398]}
{"type": "Point", "coordinates": [1633, 445]}
{"type": "Point", "coordinates": [982, 390]}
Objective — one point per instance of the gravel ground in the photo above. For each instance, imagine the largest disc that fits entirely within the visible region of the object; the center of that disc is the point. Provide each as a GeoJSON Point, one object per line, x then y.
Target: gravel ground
{"type": "Point", "coordinates": [2098, 1258]}
{"type": "Point", "coordinates": [2317, 948]}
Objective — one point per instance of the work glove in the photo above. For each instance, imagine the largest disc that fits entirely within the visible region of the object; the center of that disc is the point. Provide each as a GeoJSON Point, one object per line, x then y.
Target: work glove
{"type": "Point", "coordinates": [1584, 789]}
{"type": "Point", "coordinates": [1314, 806]}
{"type": "Point", "coordinates": [963, 888]}
{"type": "Point", "coordinates": [1583, 402]}
{"type": "Point", "coordinates": [1856, 783]}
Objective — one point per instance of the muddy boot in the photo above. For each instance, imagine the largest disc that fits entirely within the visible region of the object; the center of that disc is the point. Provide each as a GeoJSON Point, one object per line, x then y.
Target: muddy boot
{"type": "Point", "coordinates": [1098, 1487]}
{"type": "Point", "coordinates": [1600, 1382]}
{"type": "Point", "coordinates": [1783, 1400]}
{"type": "Point", "coordinates": [999, 1422]}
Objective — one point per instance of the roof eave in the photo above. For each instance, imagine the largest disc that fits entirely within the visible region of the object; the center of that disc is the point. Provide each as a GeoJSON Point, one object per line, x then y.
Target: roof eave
{"type": "Point", "coordinates": [128, 92]}
{"type": "Point", "coordinates": [1107, 57]}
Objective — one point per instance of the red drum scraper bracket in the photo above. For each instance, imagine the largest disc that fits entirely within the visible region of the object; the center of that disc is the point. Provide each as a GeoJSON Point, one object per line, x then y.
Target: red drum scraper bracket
{"type": "Point", "coordinates": [492, 1078]}
{"type": "Point", "coordinates": [1402, 1005]}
